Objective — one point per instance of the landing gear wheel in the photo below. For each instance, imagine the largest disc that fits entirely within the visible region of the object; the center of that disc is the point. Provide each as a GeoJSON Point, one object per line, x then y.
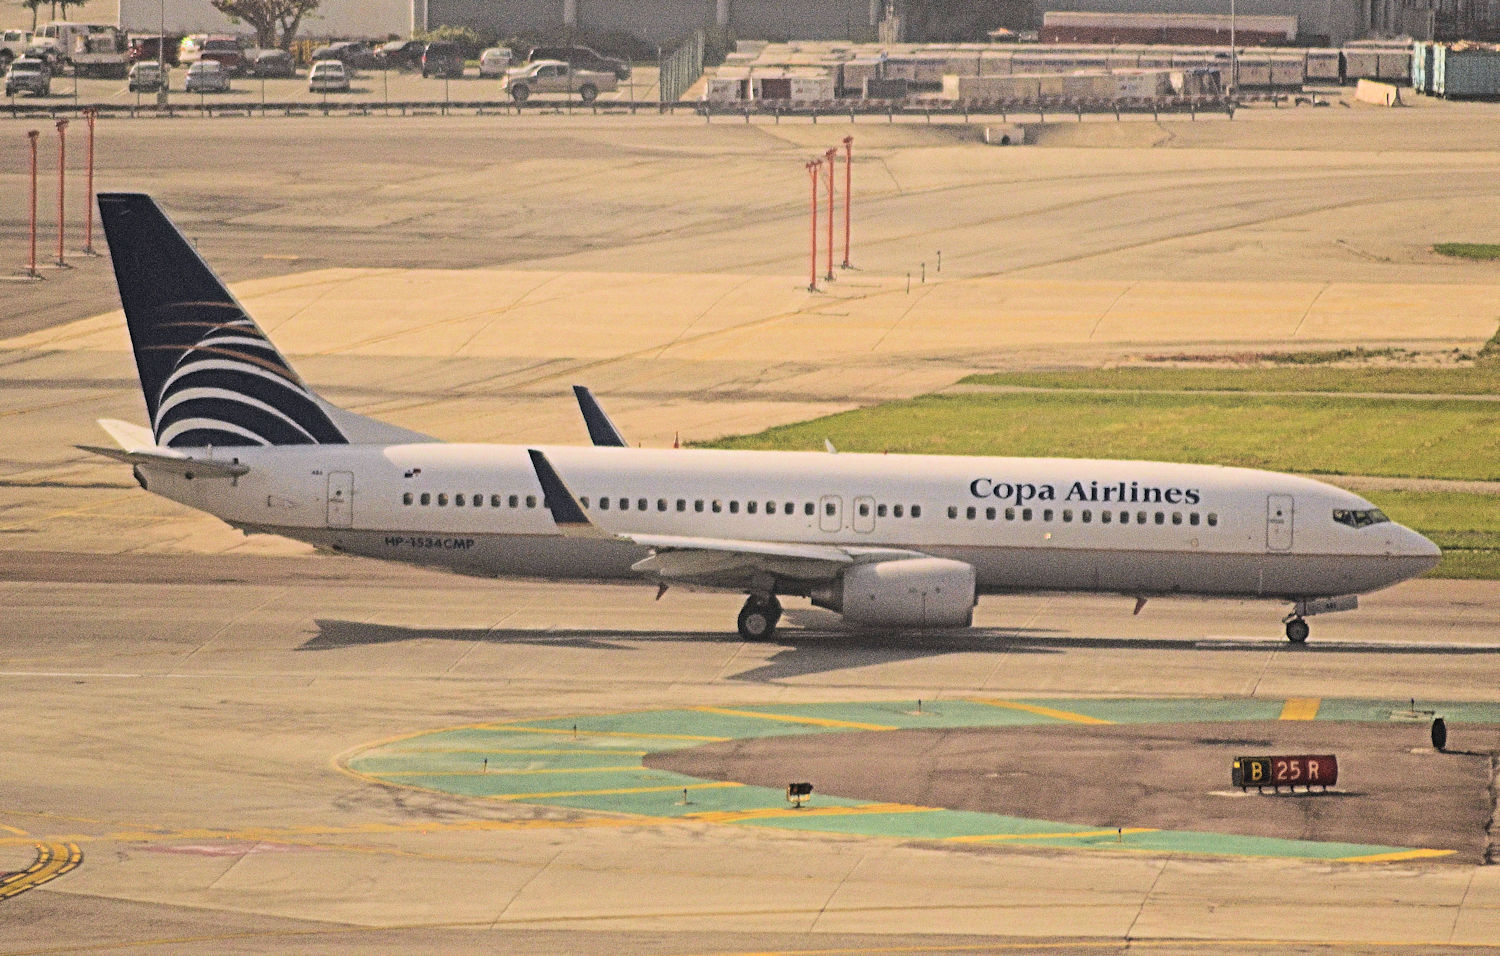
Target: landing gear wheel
{"type": "Point", "coordinates": [1297, 630]}
{"type": "Point", "coordinates": [758, 618]}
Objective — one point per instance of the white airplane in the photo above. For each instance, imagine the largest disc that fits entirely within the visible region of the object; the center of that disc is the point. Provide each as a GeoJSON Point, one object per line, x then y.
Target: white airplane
{"type": "Point", "coordinates": [887, 541]}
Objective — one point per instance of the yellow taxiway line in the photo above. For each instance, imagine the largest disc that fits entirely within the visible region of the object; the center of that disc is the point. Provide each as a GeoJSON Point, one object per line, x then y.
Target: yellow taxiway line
{"type": "Point", "coordinates": [792, 719]}
{"type": "Point", "coordinates": [52, 861]}
{"type": "Point", "coordinates": [1063, 715]}
{"type": "Point", "coordinates": [1301, 708]}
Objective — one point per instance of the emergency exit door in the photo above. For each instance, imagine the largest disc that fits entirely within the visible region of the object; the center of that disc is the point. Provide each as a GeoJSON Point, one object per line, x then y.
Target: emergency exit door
{"type": "Point", "coordinates": [340, 499]}
{"type": "Point", "coordinates": [1279, 519]}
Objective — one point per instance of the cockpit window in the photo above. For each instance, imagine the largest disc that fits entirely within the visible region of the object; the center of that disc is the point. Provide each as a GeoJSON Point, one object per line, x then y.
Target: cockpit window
{"type": "Point", "coordinates": [1359, 519]}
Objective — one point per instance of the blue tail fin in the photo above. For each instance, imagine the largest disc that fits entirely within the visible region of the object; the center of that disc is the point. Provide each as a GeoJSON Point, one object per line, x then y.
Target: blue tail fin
{"type": "Point", "coordinates": [210, 375]}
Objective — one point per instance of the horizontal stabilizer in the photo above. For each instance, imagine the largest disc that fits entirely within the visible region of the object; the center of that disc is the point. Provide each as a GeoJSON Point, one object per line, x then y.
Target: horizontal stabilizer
{"type": "Point", "coordinates": [163, 459]}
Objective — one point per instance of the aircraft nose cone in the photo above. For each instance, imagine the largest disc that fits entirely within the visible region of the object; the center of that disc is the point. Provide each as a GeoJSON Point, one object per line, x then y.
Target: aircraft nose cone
{"type": "Point", "coordinates": [1419, 548]}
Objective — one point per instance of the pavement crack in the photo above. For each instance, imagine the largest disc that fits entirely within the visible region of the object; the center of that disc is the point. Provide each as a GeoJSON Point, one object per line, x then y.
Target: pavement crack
{"type": "Point", "coordinates": [1145, 900]}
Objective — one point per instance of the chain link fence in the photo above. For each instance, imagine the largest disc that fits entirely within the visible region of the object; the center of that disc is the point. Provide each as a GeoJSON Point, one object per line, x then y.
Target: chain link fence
{"type": "Point", "coordinates": [681, 68]}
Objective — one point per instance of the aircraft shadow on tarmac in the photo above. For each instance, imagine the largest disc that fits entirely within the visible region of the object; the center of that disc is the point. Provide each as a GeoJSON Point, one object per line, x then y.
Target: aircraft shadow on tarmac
{"type": "Point", "coordinates": [821, 643]}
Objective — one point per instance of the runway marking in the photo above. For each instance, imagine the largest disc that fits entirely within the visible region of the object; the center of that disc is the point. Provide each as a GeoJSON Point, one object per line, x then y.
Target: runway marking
{"type": "Point", "coordinates": [1064, 715]}
{"type": "Point", "coordinates": [792, 719]}
{"type": "Point", "coordinates": [712, 785]}
{"type": "Point", "coordinates": [769, 813]}
{"type": "Point", "coordinates": [605, 733]}
{"type": "Point", "coordinates": [503, 771]}
{"type": "Point", "coordinates": [1301, 708]}
{"type": "Point", "coordinates": [52, 861]}
{"type": "Point", "coordinates": [1078, 834]}
{"type": "Point", "coordinates": [1395, 857]}
{"type": "Point", "coordinates": [526, 750]}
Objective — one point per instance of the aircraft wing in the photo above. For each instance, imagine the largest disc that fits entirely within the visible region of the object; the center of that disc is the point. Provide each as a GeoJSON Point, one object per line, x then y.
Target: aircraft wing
{"type": "Point", "coordinates": [728, 563]}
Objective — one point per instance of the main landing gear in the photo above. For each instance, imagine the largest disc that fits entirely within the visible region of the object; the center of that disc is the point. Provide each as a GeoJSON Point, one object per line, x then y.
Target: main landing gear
{"type": "Point", "coordinates": [1297, 630]}
{"type": "Point", "coordinates": [758, 617]}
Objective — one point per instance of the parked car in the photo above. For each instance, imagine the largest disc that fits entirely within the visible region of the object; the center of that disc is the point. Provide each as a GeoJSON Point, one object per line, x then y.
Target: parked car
{"type": "Point", "coordinates": [270, 63]}
{"type": "Point", "coordinates": [207, 76]}
{"type": "Point", "coordinates": [400, 55]}
{"type": "Point", "coordinates": [354, 54]}
{"type": "Point", "coordinates": [328, 76]}
{"type": "Point", "coordinates": [555, 76]}
{"type": "Point", "coordinates": [224, 50]}
{"type": "Point", "coordinates": [28, 74]}
{"type": "Point", "coordinates": [494, 61]}
{"type": "Point", "coordinates": [145, 48]}
{"type": "Point", "coordinates": [442, 59]}
{"type": "Point", "coordinates": [581, 58]}
{"type": "Point", "coordinates": [145, 77]}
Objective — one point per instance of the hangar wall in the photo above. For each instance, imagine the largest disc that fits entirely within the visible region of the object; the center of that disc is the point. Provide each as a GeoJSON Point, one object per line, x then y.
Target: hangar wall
{"type": "Point", "coordinates": [663, 20]}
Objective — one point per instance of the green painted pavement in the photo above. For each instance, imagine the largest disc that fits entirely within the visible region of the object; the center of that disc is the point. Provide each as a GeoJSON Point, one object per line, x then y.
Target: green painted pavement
{"type": "Point", "coordinates": [593, 763]}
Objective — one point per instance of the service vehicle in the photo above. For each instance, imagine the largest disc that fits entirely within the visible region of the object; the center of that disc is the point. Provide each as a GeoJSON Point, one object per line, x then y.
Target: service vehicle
{"type": "Point", "coordinates": [442, 59]}
{"type": "Point", "coordinates": [494, 61]}
{"type": "Point", "coordinates": [555, 76]}
{"type": "Point", "coordinates": [890, 542]}
{"type": "Point", "coordinates": [581, 58]}
{"type": "Point", "coordinates": [145, 77]}
{"type": "Point", "coordinates": [207, 76]}
{"type": "Point", "coordinates": [13, 45]}
{"type": "Point", "coordinates": [89, 49]}
{"type": "Point", "coordinates": [29, 74]}
{"type": "Point", "coordinates": [144, 48]}
{"type": "Point", "coordinates": [328, 76]}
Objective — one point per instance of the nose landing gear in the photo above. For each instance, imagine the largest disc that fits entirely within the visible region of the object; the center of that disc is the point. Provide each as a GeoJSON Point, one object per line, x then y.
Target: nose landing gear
{"type": "Point", "coordinates": [1297, 630]}
{"type": "Point", "coordinates": [758, 617]}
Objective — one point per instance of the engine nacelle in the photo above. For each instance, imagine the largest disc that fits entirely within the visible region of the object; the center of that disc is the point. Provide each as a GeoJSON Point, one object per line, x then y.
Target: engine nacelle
{"type": "Point", "coordinates": [910, 592]}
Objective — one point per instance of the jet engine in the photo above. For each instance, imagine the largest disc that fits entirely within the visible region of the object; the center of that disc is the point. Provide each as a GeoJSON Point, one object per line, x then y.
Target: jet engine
{"type": "Point", "coordinates": [910, 592]}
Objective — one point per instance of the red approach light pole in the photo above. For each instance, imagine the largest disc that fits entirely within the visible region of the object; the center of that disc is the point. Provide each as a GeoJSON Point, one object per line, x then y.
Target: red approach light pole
{"type": "Point", "coordinates": [848, 192]}
{"type": "Point", "coordinates": [88, 196]}
{"type": "Point", "coordinates": [62, 172]}
{"type": "Point", "coordinates": [31, 267]}
{"type": "Point", "coordinates": [812, 175]}
{"type": "Point", "coordinates": [830, 157]}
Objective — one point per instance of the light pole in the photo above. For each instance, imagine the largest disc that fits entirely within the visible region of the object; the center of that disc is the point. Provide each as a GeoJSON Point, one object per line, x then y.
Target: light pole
{"type": "Point", "coordinates": [848, 191]}
{"type": "Point", "coordinates": [161, 57]}
{"type": "Point", "coordinates": [1234, 55]}
{"type": "Point", "coordinates": [831, 158]}
{"type": "Point", "coordinates": [812, 174]}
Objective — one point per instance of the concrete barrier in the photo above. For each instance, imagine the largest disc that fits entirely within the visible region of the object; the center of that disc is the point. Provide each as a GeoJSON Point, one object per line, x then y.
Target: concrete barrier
{"type": "Point", "coordinates": [1381, 94]}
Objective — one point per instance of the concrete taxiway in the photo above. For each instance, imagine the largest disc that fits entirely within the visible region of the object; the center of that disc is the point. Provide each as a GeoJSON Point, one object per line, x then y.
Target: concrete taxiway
{"type": "Point", "coordinates": [187, 707]}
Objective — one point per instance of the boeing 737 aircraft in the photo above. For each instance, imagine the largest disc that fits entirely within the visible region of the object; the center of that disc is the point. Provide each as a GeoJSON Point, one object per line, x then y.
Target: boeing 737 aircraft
{"type": "Point", "coordinates": [887, 541]}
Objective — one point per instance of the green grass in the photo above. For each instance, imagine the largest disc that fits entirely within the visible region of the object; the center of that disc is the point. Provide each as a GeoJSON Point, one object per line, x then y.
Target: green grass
{"type": "Point", "coordinates": [1478, 251]}
{"type": "Point", "coordinates": [1465, 526]}
{"type": "Point", "coordinates": [1435, 438]}
{"type": "Point", "coordinates": [1403, 380]}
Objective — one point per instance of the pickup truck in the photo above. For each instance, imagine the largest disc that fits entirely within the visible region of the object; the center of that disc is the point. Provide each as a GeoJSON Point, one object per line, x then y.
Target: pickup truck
{"type": "Point", "coordinates": [555, 76]}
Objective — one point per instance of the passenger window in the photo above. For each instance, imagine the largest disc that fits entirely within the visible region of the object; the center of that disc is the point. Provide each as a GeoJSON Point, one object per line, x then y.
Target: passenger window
{"type": "Point", "coordinates": [584, 500]}
{"type": "Point", "coordinates": [953, 511]}
{"type": "Point", "coordinates": [790, 508]}
{"type": "Point", "coordinates": [624, 504]}
{"type": "Point", "coordinates": [970, 512]}
{"type": "Point", "coordinates": [641, 504]}
{"type": "Point", "coordinates": [916, 511]}
{"type": "Point", "coordinates": [828, 508]}
{"type": "Point", "coordinates": [1046, 514]}
{"type": "Point", "coordinates": [1161, 518]}
{"type": "Point", "coordinates": [495, 501]}
{"type": "Point", "coordinates": [770, 507]}
{"type": "Point", "coordinates": [515, 501]}
{"type": "Point", "coordinates": [603, 504]}
{"type": "Point", "coordinates": [989, 514]}
{"type": "Point", "coordinates": [750, 507]}
{"type": "Point", "coordinates": [426, 498]}
{"type": "Point", "coordinates": [734, 507]}
{"type": "Point", "coordinates": [1067, 514]}
{"type": "Point", "coordinates": [406, 499]}
{"type": "Point", "coordinates": [681, 504]}
{"type": "Point", "coordinates": [1025, 514]}
{"type": "Point", "coordinates": [1140, 517]}
{"type": "Point", "coordinates": [1087, 516]}
{"type": "Point", "coordinates": [717, 506]}
{"type": "Point", "coordinates": [1177, 517]}
{"type": "Point", "coordinates": [1213, 519]}
{"type": "Point", "coordinates": [442, 500]}
{"type": "Point", "coordinates": [661, 504]}
{"type": "Point", "coordinates": [880, 511]}
{"type": "Point", "coordinates": [864, 510]}
{"type": "Point", "coordinates": [896, 511]}
{"type": "Point", "coordinates": [531, 501]}
{"type": "Point", "coordinates": [1193, 519]}
{"type": "Point", "coordinates": [1010, 514]}
{"type": "Point", "coordinates": [698, 505]}
{"type": "Point", "coordinates": [477, 501]}
{"type": "Point", "coordinates": [458, 501]}
{"type": "Point", "coordinates": [1104, 516]}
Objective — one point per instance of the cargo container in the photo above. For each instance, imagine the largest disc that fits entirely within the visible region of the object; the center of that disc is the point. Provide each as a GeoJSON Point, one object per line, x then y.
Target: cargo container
{"type": "Point", "coordinates": [1325, 66]}
{"type": "Point", "coordinates": [722, 88]}
{"type": "Point", "coordinates": [854, 74]}
{"type": "Point", "coordinates": [886, 89]}
{"type": "Point", "coordinates": [1421, 67]}
{"type": "Point", "coordinates": [1465, 73]}
{"type": "Point", "coordinates": [921, 72]}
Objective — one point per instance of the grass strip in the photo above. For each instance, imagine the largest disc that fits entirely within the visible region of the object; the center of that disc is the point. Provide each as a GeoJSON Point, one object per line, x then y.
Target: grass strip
{"type": "Point", "coordinates": [1404, 380]}
{"type": "Point", "coordinates": [1453, 439]}
{"type": "Point", "coordinates": [1477, 251]}
{"type": "Point", "coordinates": [1465, 526]}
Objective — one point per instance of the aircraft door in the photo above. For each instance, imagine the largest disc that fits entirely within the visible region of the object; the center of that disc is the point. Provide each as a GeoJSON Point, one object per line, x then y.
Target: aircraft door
{"type": "Point", "coordinates": [864, 514]}
{"type": "Point", "coordinates": [831, 513]}
{"type": "Point", "coordinates": [340, 499]}
{"type": "Point", "coordinates": [1279, 518]}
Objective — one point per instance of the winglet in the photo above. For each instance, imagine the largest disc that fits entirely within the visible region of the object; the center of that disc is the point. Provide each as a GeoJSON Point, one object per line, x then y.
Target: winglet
{"type": "Point", "coordinates": [568, 514]}
{"type": "Point", "coordinates": [602, 431]}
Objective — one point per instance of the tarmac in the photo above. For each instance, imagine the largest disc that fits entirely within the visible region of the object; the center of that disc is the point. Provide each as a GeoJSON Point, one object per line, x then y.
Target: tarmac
{"type": "Point", "coordinates": [189, 709]}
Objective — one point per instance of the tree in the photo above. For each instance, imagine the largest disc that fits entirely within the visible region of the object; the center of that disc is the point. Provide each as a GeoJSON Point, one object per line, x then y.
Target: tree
{"type": "Point", "coordinates": [65, 4]}
{"type": "Point", "coordinates": [33, 6]}
{"type": "Point", "coordinates": [268, 17]}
